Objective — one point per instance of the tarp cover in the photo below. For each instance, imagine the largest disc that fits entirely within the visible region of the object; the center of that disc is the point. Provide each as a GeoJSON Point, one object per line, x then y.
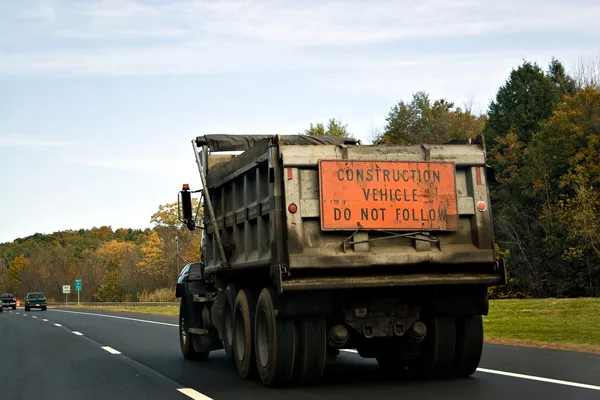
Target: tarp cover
{"type": "Point", "coordinates": [244, 142]}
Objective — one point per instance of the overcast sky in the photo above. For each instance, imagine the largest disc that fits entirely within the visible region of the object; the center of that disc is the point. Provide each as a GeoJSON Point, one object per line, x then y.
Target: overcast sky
{"type": "Point", "coordinates": [99, 100]}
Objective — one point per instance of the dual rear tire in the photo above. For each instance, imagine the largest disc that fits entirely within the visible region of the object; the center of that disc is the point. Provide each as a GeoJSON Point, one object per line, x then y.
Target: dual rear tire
{"type": "Point", "coordinates": [281, 351]}
{"type": "Point", "coordinates": [451, 349]}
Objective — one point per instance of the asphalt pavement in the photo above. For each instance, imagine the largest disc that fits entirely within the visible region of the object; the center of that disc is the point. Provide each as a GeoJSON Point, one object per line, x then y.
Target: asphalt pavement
{"type": "Point", "coordinates": [65, 354]}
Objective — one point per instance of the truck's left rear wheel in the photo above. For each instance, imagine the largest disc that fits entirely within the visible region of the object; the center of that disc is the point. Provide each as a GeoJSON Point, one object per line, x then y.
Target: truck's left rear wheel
{"type": "Point", "coordinates": [243, 333]}
{"type": "Point", "coordinates": [275, 342]}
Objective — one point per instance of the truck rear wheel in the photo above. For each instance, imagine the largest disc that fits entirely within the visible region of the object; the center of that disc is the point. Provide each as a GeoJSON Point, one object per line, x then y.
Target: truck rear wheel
{"type": "Point", "coordinates": [438, 348]}
{"type": "Point", "coordinates": [469, 345]}
{"type": "Point", "coordinates": [275, 342]}
{"type": "Point", "coordinates": [185, 339]}
{"type": "Point", "coordinates": [243, 333]}
{"type": "Point", "coordinates": [311, 350]}
{"type": "Point", "coordinates": [230, 296]}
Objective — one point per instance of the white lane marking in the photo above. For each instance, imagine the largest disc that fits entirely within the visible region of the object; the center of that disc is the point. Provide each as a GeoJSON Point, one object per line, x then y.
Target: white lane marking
{"type": "Point", "coordinates": [191, 393]}
{"type": "Point", "coordinates": [34, 317]}
{"type": "Point", "coordinates": [17, 313]}
{"type": "Point", "coordinates": [117, 317]}
{"type": "Point", "coordinates": [77, 333]}
{"type": "Point", "coordinates": [45, 320]}
{"type": "Point", "coordinates": [111, 350]}
{"type": "Point", "coordinates": [57, 325]}
{"type": "Point", "coordinates": [24, 315]}
{"type": "Point", "coordinates": [522, 376]}
{"type": "Point", "coordinates": [537, 378]}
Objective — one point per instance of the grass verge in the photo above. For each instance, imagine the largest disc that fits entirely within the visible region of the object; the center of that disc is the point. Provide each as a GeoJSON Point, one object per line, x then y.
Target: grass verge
{"type": "Point", "coordinates": [564, 324]}
{"type": "Point", "coordinates": [149, 310]}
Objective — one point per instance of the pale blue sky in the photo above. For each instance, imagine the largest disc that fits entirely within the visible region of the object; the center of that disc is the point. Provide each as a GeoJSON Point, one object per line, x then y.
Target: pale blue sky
{"type": "Point", "coordinates": [99, 99]}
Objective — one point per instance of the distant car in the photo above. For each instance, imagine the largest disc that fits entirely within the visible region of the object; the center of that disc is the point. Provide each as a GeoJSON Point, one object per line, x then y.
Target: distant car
{"type": "Point", "coordinates": [35, 300]}
{"type": "Point", "coordinates": [8, 300]}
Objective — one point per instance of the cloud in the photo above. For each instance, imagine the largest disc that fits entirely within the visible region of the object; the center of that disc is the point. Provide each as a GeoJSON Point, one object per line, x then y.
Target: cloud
{"type": "Point", "coordinates": [128, 37]}
{"type": "Point", "coordinates": [147, 165]}
{"type": "Point", "coordinates": [31, 141]}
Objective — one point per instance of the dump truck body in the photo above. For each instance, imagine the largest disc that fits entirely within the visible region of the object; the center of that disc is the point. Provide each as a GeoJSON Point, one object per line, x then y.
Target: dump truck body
{"type": "Point", "coordinates": [371, 247]}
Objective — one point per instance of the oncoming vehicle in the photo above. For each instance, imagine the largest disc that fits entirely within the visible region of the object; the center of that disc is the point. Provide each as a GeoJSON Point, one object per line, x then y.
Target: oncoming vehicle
{"type": "Point", "coordinates": [8, 300]}
{"type": "Point", "coordinates": [35, 300]}
{"type": "Point", "coordinates": [311, 245]}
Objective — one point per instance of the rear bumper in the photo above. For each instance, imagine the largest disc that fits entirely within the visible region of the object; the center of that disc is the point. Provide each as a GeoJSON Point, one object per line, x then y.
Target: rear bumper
{"type": "Point", "coordinates": [488, 278]}
{"type": "Point", "coordinates": [355, 282]}
{"type": "Point", "coordinates": [321, 260]}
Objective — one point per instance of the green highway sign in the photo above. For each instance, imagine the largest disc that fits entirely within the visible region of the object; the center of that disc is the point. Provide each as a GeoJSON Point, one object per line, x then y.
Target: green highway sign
{"type": "Point", "coordinates": [78, 285]}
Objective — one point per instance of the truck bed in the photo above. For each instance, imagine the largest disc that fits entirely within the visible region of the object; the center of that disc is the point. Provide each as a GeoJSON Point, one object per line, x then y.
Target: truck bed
{"type": "Point", "coordinates": [329, 214]}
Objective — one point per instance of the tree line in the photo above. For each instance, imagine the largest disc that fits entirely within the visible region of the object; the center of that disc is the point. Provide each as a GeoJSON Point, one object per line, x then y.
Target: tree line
{"type": "Point", "coordinates": [542, 133]}
{"type": "Point", "coordinates": [114, 265]}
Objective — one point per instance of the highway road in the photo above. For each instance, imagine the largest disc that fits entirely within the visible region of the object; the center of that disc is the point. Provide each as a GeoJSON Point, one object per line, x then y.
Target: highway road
{"type": "Point", "coordinates": [62, 354]}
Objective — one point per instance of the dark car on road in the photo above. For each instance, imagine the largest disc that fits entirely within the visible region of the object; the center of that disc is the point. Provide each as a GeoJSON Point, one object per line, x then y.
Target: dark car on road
{"type": "Point", "coordinates": [8, 300]}
{"type": "Point", "coordinates": [35, 300]}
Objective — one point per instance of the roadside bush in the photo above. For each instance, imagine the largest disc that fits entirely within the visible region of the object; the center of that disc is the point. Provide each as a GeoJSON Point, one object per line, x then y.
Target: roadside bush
{"type": "Point", "coordinates": [159, 295]}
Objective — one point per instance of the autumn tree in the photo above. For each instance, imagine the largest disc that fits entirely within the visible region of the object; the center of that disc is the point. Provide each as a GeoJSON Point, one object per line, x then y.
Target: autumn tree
{"type": "Point", "coordinates": [153, 264]}
{"type": "Point", "coordinates": [15, 269]}
{"type": "Point", "coordinates": [422, 121]}
{"type": "Point", "coordinates": [333, 128]}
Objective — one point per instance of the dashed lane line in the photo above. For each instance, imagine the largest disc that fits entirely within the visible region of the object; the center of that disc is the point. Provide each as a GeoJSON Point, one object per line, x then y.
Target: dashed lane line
{"type": "Point", "coordinates": [57, 325]}
{"type": "Point", "coordinates": [191, 393]}
{"type": "Point", "coordinates": [77, 333]}
{"type": "Point", "coordinates": [111, 350]}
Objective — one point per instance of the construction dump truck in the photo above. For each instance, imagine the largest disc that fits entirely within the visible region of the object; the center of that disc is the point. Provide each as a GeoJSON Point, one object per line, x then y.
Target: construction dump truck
{"type": "Point", "coordinates": [312, 245]}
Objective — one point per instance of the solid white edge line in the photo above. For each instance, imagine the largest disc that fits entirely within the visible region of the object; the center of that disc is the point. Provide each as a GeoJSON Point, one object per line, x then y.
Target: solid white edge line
{"type": "Point", "coordinates": [191, 393]}
{"type": "Point", "coordinates": [522, 376]}
{"type": "Point", "coordinates": [538, 378]}
{"type": "Point", "coordinates": [111, 350]}
{"type": "Point", "coordinates": [77, 333]}
{"type": "Point", "coordinates": [117, 317]}
{"type": "Point", "coordinates": [57, 325]}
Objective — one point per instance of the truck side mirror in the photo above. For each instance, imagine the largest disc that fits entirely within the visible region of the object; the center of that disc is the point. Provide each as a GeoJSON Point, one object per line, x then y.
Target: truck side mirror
{"type": "Point", "coordinates": [186, 207]}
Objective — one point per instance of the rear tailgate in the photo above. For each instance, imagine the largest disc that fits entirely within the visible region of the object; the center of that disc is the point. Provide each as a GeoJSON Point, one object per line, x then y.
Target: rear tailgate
{"type": "Point", "coordinates": [397, 206]}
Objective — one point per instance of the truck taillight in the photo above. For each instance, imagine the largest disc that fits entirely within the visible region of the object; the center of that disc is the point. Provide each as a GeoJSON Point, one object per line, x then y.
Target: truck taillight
{"type": "Point", "coordinates": [481, 206]}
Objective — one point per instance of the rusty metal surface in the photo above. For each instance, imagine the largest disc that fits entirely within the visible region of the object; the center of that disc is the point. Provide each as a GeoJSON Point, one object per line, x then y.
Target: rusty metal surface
{"type": "Point", "coordinates": [423, 279]}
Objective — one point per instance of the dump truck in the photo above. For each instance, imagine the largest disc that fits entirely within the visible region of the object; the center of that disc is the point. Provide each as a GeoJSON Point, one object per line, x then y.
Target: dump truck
{"type": "Point", "coordinates": [315, 245]}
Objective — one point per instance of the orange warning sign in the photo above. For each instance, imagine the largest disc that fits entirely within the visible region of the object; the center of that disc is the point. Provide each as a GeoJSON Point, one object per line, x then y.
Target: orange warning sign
{"type": "Point", "coordinates": [387, 195]}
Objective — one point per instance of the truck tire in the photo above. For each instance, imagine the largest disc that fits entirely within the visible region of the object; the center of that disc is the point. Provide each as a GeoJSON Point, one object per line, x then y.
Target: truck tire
{"type": "Point", "coordinates": [469, 345]}
{"type": "Point", "coordinates": [230, 296]}
{"type": "Point", "coordinates": [311, 350]}
{"type": "Point", "coordinates": [438, 349]}
{"type": "Point", "coordinates": [274, 342]}
{"type": "Point", "coordinates": [185, 340]}
{"type": "Point", "coordinates": [243, 334]}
